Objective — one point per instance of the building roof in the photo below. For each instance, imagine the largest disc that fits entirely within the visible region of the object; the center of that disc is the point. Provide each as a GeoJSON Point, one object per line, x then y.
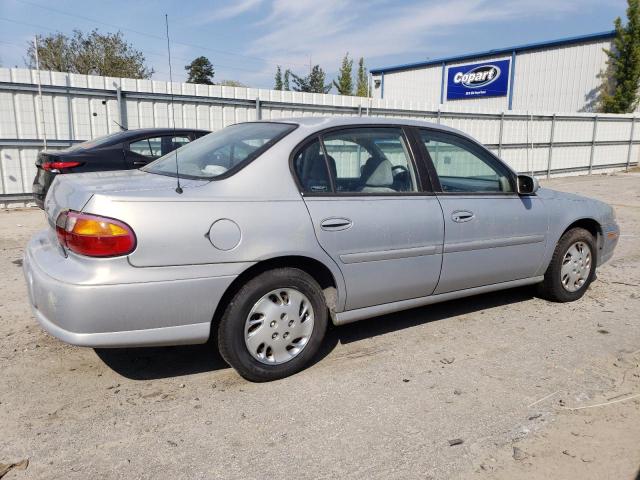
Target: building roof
{"type": "Point", "coordinates": [500, 51]}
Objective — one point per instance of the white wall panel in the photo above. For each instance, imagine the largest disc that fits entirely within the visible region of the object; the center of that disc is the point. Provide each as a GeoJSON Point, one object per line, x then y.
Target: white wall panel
{"type": "Point", "coordinates": [526, 159]}
{"type": "Point", "coordinates": [606, 154]}
{"type": "Point", "coordinates": [613, 130]}
{"type": "Point", "coordinates": [8, 123]}
{"type": "Point", "coordinates": [574, 130]}
{"type": "Point", "coordinates": [421, 85]}
{"type": "Point", "coordinates": [559, 79]}
{"type": "Point", "coordinates": [11, 171]}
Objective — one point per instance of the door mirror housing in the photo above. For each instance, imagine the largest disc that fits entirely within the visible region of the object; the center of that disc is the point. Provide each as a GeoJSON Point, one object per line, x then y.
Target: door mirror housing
{"type": "Point", "coordinates": [527, 185]}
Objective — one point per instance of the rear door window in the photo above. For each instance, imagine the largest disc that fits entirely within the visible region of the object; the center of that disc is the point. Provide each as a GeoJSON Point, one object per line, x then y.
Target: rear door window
{"type": "Point", "coordinates": [368, 160]}
{"type": "Point", "coordinates": [155, 147]}
{"type": "Point", "coordinates": [311, 168]}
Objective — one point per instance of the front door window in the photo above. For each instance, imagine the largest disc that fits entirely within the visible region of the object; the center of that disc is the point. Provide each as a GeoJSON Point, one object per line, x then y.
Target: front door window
{"type": "Point", "coordinates": [463, 167]}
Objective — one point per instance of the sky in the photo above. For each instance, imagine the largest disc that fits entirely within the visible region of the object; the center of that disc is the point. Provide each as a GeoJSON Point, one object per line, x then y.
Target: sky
{"type": "Point", "coordinates": [246, 39]}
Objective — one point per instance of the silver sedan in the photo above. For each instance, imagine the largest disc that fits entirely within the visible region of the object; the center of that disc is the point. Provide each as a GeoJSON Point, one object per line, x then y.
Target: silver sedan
{"type": "Point", "coordinates": [262, 233]}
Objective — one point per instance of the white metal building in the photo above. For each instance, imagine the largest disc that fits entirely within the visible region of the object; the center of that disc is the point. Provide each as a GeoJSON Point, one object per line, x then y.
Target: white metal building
{"type": "Point", "coordinates": [560, 75]}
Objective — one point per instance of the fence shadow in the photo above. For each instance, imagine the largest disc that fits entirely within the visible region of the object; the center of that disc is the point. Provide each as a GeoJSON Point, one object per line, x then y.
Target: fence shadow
{"type": "Point", "coordinates": [164, 362]}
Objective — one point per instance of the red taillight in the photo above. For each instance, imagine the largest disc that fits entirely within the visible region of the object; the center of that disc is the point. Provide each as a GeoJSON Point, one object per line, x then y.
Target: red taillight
{"type": "Point", "coordinates": [59, 165]}
{"type": "Point", "coordinates": [93, 235]}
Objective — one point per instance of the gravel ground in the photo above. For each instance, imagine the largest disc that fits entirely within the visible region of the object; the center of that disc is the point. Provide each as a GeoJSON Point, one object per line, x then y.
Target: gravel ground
{"type": "Point", "coordinates": [506, 373]}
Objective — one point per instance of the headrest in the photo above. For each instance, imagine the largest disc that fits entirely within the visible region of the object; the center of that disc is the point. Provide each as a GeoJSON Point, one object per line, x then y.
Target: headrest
{"type": "Point", "coordinates": [314, 171]}
{"type": "Point", "coordinates": [377, 173]}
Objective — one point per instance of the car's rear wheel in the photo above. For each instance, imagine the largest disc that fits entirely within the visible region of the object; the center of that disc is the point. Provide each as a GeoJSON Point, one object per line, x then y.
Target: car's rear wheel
{"type": "Point", "coordinates": [274, 325]}
{"type": "Point", "coordinates": [572, 267]}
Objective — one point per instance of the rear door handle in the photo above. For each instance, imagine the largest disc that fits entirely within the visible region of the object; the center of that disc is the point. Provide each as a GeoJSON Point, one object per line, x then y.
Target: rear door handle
{"type": "Point", "coordinates": [461, 216]}
{"type": "Point", "coordinates": [335, 224]}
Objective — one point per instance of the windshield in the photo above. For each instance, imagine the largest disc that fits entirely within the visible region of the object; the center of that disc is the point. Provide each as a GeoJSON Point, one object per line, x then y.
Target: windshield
{"type": "Point", "coordinates": [214, 154]}
{"type": "Point", "coordinates": [97, 142]}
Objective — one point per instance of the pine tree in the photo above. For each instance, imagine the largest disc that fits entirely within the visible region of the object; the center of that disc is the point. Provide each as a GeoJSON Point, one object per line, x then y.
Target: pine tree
{"type": "Point", "coordinates": [285, 85]}
{"type": "Point", "coordinates": [344, 83]}
{"type": "Point", "coordinates": [300, 84]}
{"type": "Point", "coordinates": [362, 87]}
{"type": "Point", "coordinates": [313, 83]}
{"type": "Point", "coordinates": [278, 85]}
{"type": "Point", "coordinates": [316, 80]}
{"type": "Point", "coordinates": [620, 89]}
{"type": "Point", "coordinates": [200, 71]}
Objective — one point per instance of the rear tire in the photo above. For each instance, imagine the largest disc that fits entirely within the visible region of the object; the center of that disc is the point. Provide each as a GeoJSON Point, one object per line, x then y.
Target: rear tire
{"type": "Point", "coordinates": [274, 325]}
{"type": "Point", "coordinates": [572, 267]}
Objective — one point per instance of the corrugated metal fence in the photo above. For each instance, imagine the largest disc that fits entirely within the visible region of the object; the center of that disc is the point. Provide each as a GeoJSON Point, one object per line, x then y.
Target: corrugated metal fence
{"type": "Point", "coordinates": [75, 108]}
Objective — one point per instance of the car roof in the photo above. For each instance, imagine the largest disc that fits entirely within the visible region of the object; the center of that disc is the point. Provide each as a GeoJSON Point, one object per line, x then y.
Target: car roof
{"type": "Point", "coordinates": [311, 124]}
{"type": "Point", "coordinates": [136, 132]}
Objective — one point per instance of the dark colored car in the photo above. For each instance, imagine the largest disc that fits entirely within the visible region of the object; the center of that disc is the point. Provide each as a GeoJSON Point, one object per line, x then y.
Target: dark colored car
{"type": "Point", "coordinates": [117, 151]}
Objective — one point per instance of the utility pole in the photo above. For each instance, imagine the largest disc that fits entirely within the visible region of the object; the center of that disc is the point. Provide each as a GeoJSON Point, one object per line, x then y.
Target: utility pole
{"type": "Point", "coordinates": [44, 130]}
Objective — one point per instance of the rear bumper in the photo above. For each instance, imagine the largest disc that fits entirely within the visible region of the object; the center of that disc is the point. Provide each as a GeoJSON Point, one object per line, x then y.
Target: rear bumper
{"type": "Point", "coordinates": [179, 335]}
{"type": "Point", "coordinates": [41, 185]}
{"type": "Point", "coordinates": [39, 200]}
{"type": "Point", "coordinates": [136, 313]}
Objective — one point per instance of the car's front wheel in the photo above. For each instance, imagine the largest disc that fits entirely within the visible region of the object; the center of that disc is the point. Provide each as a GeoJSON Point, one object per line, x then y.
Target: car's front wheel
{"type": "Point", "coordinates": [572, 267]}
{"type": "Point", "coordinates": [274, 325]}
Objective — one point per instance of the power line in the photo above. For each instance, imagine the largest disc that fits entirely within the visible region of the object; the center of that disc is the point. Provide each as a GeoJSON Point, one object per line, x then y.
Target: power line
{"type": "Point", "coordinates": [157, 37]}
{"type": "Point", "coordinates": [147, 52]}
{"type": "Point", "coordinates": [153, 54]}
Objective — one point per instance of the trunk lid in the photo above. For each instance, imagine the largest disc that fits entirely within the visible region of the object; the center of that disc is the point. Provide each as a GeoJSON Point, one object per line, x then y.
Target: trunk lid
{"type": "Point", "coordinates": [73, 191]}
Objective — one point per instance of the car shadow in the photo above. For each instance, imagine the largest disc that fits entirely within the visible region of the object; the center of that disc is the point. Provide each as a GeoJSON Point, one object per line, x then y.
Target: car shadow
{"type": "Point", "coordinates": [153, 363]}
{"type": "Point", "coordinates": [373, 327]}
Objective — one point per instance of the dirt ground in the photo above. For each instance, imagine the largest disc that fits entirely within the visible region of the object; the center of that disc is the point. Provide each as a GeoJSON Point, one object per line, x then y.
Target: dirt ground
{"type": "Point", "coordinates": [532, 389]}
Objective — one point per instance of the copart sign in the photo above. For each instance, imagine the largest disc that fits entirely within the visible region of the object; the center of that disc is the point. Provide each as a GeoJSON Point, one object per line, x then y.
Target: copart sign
{"type": "Point", "coordinates": [489, 79]}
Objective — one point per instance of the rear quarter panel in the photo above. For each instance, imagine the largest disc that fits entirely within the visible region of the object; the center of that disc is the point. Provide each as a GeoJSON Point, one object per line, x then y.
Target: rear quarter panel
{"type": "Point", "coordinates": [261, 199]}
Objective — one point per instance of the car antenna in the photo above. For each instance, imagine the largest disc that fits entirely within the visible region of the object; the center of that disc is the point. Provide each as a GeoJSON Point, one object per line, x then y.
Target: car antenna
{"type": "Point", "coordinates": [173, 112]}
{"type": "Point", "coordinates": [124, 129]}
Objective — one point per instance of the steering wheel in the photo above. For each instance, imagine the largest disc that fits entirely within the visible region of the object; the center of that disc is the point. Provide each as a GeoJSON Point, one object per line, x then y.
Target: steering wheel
{"type": "Point", "coordinates": [398, 170]}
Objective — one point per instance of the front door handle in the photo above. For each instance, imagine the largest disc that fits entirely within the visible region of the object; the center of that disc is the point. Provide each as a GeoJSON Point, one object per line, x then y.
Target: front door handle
{"type": "Point", "coordinates": [335, 224]}
{"type": "Point", "coordinates": [461, 216]}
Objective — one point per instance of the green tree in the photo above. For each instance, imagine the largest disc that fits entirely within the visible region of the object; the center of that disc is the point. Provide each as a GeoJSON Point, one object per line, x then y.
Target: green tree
{"type": "Point", "coordinates": [278, 79]}
{"type": "Point", "coordinates": [54, 52]}
{"type": "Point", "coordinates": [619, 92]}
{"type": "Point", "coordinates": [90, 53]}
{"type": "Point", "coordinates": [200, 71]}
{"type": "Point", "coordinates": [231, 83]}
{"type": "Point", "coordinates": [362, 87]}
{"type": "Point", "coordinates": [300, 84]}
{"type": "Point", "coordinates": [316, 80]}
{"type": "Point", "coordinates": [344, 83]}
{"type": "Point", "coordinates": [313, 83]}
{"type": "Point", "coordinates": [285, 85]}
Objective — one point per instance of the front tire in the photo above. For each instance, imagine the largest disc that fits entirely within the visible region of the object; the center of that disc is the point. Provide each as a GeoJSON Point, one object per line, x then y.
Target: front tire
{"type": "Point", "coordinates": [572, 267]}
{"type": "Point", "coordinates": [274, 325]}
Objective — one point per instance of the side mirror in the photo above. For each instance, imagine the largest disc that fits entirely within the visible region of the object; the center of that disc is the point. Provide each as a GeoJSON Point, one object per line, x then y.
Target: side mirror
{"type": "Point", "coordinates": [527, 185]}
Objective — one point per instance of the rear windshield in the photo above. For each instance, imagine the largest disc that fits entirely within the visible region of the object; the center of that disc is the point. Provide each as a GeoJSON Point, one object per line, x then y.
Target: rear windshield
{"type": "Point", "coordinates": [217, 153]}
{"type": "Point", "coordinates": [98, 142]}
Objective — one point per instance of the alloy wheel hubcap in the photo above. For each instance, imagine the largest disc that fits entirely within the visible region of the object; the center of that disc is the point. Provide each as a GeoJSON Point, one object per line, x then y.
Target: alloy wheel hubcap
{"type": "Point", "coordinates": [279, 326]}
{"type": "Point", "coordinates": [576, 267]}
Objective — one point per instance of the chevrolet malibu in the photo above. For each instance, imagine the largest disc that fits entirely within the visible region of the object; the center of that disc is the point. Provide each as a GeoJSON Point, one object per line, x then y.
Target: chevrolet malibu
{"type": "Point", "coordinates": [262, 233]}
